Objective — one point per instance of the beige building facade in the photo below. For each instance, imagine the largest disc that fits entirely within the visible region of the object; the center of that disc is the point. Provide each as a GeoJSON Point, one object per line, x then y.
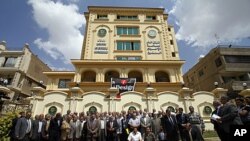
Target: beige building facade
{"type": "Point", "coordinates": [122, 42]}
{"type": "Point", "coordinates": [20, 71]}
{"type": "Point", "coordinates": [224, 66]}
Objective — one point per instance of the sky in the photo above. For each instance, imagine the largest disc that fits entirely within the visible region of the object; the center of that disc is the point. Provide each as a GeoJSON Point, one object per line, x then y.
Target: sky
{"type": "Point", "coordinates": [54, 29]}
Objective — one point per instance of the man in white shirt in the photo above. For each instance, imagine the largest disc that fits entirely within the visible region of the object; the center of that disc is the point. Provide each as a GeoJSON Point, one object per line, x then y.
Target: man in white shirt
{"type": "Point", "coordinates": [134, 122]}
{"type": "Point", "coordinates": [135, 136]}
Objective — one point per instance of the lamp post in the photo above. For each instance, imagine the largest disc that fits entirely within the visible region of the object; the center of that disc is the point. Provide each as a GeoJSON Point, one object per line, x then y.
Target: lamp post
{"type": "Point", "coordinates": [216, 84]}
{"type": "Point", "coordinates": [244, 85]}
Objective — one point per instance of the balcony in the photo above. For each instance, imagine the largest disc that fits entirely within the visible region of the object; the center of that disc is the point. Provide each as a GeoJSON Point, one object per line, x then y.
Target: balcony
{"type": "Point", "coordinates": [139, 86]}
{"type": "Point", "coordinates": [236, 85]}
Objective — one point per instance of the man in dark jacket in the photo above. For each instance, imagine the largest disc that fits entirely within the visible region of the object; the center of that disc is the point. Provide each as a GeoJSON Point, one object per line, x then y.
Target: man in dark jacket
{"type": "Point", "coordinates": [23, 128]}
{"type": "Point", "coordinates": [112, 125]}
{"type": "Point", "coordinates": [13, 125]}
{"type": "Point", "coordinates": [55, 128]}
{"type": "Point", "coordinates": [182, 121]}
{"type": "Point", "coordinates": [171, 127]}
{"type": "Point", "coordinates": [228, 116]}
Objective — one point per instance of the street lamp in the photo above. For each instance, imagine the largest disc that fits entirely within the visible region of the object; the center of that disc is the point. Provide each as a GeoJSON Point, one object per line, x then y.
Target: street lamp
{"type": "Point", "coordinates": [244, 85]}
{"type": "Point", "coordinates": [216, 84]}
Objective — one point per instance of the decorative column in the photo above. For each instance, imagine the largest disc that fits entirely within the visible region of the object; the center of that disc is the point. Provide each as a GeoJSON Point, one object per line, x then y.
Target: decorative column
{"type": "Point", "coordinates": [113, 91]}
{"type": "Point", "coordinates": [37, 93]}
{"type": "Point", "coordinates": [150, 97]}
{"type": "Point", "coordinates": [74, 97]}
{"type": "Point", "coordinates": [218, 92]}
{"type": "Point", "coordinates": [245, 93]}
{"type": "Point", "coordinates": [187, 97]}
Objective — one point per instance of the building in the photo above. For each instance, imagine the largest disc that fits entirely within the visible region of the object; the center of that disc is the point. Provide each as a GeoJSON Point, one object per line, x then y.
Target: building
{"type": "Point", "coordinates": [20, 71]}
{"type": "Point", "coordinates": [224, 66]}
{"type": "Point", "coordinates": [121, 44]}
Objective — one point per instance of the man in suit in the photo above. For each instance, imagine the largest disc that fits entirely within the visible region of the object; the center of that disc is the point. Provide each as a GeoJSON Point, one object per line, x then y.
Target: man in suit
{"type": "Point", "coordinates": [45, 128]}
{"type": "Point", "coordinates": [93, 126]}
{"type": "Point", "coordinates": [103, 132]}
{"type": "Point", "coordinates": [55, 128]}
{"type": "Point", "coordinates": [36, 129]}
{"type": "Point", "coordinates": [13, 125]}
{"type": "Point", "coordinates": [228, 116]}
{"type": "Point", "coordinates": [112, 125]}
{"type": "Point", "coordinates": [23, 127]}
{"type": "Point", "coordinates": [170, 127]}
{"type": "Point", "coordinates": [156, 124]}
{"type": "Point", "coordinates": [82, 129]}
{"type": "Point", "coordinates": [217, 105]}
{"type": "Point", "coordinates": [145, 122]}
{"type": "Point", "coordinates": [182, 121]}
{"type": "Point", "coordinates": [73, 135]}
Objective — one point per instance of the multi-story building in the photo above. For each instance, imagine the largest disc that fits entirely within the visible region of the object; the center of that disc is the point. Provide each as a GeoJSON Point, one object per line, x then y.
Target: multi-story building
{"type": "Point", "coordinates": [20, 71]}
{"type": "Point", "coordinates": [122, 42]}
{"type": "Point", "coordinates": [224, 66]}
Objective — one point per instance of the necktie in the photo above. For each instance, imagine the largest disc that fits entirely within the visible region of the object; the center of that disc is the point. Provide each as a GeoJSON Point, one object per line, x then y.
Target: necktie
{"type": "Point", "coordinates": [171, 121]}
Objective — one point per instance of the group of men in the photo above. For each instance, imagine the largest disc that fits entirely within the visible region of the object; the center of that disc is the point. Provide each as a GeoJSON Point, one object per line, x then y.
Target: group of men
{"type": "Point", "coordinates": [110, 126]}
{"type": "Point", "coordinates": [227, 113]}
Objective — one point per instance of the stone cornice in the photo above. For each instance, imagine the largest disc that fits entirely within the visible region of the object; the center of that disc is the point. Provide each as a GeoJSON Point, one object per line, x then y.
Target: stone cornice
{"type": "Point", "coordinates": [138, 10]}
{"type": "Point", "coordinates": [127, 63]}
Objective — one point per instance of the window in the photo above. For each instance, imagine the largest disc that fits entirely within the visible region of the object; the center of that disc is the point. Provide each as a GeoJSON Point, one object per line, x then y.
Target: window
{"type": "Point", "coordinates": [201, 73]}
{"type": "Point", "coordinates": [10, 62]}
{"type": "Point", "coordinates": [218, 62]}
{"type": "Point", "coordinates": [63, 83]}
{"type": "Point", "coordinates": [161, 76]}
{"type": "Point", "coordinates": [171, 42]}
{"type": "Point", "coordinates": [150, 17]}
{"type": "Point", "coordinates": [169, 29]}
{"type": "Point", "coordinates": [88, 76]}
{"type": "Point", "coordinates": [237, 58]}
{"type": "Point", "coordinates": [111, 74]}
{"type": "Point", "coordinates": [102, 16]}
{"type": "Point", "coordinates": [122, 17]}
{"type": "Point", "coordinates": [127, 31]}
{"type": "Point", "coordinates": [173, 54]}
{"type": "Point", "coordinates": [128, 58]}
{"type": "Point", "coordinates": [134, 45]}
{"type": "Point", "coordinates": [137, 75]}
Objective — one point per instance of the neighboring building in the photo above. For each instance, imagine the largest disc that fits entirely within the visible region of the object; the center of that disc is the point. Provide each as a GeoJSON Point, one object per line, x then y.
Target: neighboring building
{"type": "Point", "coordinates": [225, 67]}
{"type": "Point", "coordinates": [122, 42]}
{"type": "Point", "coordinates": [20, 71]}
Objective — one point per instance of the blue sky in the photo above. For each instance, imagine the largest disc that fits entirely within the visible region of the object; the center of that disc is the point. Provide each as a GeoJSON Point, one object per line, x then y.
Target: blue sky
{"type": "Point", "coordinates": [54, 28]}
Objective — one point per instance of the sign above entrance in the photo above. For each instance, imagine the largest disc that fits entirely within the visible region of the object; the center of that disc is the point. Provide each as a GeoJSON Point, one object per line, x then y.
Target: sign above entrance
{"type": "Point", "coordinates": [101, 47]}
{"type": "Point", "coordinates": [123, 84]}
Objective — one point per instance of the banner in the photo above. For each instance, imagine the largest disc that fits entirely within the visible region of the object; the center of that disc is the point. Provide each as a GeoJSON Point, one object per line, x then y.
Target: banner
{"type": "Point", "coordinates": [123, 84]}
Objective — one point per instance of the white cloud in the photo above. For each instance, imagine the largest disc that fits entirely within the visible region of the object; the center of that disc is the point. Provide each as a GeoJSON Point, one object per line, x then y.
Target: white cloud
{"type": "Point", "coordinates": [199, 21]}
{"type": "Point", "coordinates": [63, 23]}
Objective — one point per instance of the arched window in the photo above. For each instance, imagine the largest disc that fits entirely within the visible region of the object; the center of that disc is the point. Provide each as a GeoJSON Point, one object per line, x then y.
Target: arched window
{"type": "Point", "coordinates": [111, 74]}
{"type": "Point", "coordinates": [161, 76]}
{"type": "Point", "coordinates": [92, 109]}
{"type": "Point", "coordinates": [137, 75]}
{"type": "Point", "coordinates": [88, 76]}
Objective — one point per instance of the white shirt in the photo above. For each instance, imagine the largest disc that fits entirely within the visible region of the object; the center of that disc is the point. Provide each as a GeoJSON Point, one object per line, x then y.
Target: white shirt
{"type": "Point", "coordinates": [29, 126]}
{"type": "Point", "coordinates": [102, 124]}
{"type": "Point", "coordinates": [40, 126]}
{"type": "Point", "coordinates": [135, 137]}
{"type": "Point", "coordinates": [134, 122]}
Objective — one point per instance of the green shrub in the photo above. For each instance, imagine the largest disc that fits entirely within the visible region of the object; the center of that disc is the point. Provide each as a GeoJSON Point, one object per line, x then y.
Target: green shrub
{"type": "Point", "coordinates": [5, 124]}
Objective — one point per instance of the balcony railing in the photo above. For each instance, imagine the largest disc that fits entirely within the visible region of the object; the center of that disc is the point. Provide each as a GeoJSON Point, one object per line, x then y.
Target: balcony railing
{"type": "Point", "coordinates": [237, 85]}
